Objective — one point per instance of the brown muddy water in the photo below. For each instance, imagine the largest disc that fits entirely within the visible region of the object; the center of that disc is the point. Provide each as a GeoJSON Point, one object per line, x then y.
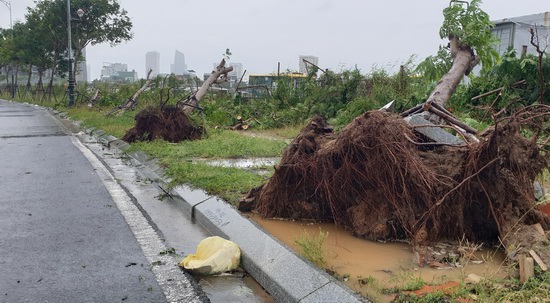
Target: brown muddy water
{"type": "Point", "coordinates": [390, 264]}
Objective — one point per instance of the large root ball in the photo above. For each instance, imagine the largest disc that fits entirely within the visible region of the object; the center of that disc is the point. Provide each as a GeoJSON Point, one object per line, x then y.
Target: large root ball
{"type": "Point", "coordinates": [168, 123]}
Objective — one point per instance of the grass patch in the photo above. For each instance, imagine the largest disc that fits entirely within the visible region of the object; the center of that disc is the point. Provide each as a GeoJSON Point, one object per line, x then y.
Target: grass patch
{"type": "Point", "coordinates": [537, 289]}
{"type": "Point", "coordinates": [288, 132]}
{"type": "Point", "coordinates": [217, 144]}
{"type": "Point", "coordinates": [226, 182]}
{"type": "Point", "coordinates": [113, 125]}
{"type": "Point", "coordinates": [312, 247]}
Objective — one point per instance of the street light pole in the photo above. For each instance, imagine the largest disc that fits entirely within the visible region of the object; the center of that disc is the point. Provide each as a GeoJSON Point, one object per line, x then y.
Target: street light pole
{"type": "Point", "coordinates": [7, 3]}
{"type": "Point", "coordinates": [71, 76]}
{"type": "Point", "coordinates": [70, 87]}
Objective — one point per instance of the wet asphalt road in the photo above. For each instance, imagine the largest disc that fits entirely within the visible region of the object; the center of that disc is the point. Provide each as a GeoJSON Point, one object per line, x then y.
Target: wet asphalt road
{"type": "Point", "coordinates": [62, 238]}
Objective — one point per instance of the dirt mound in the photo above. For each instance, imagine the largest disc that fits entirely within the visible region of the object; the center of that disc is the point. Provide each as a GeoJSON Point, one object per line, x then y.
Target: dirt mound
{"type": "Point", "coordinates": [376, 179]}
{"type": "Point", "coordinates": [168, 123]}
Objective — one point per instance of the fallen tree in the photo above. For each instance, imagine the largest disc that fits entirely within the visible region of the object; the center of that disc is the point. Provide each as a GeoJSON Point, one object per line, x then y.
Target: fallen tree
{"type": "Point", "coordinates": [93, 98]}
{"type": "Point", "coordinates": [172, 123]}
{"type": "Point", "coordinates": [131, 102]}
{"type": "Point", "coordinates": [383, 180]}
{"type": "Point", "coordinates": [218, 76]}
{"type": "Point", "coordinates": [378, 180]}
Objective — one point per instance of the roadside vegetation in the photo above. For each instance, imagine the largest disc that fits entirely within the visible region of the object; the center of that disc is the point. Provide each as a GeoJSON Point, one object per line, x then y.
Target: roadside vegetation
{"type": "Point", "coordinates": [274, 119]}
{"type": "Point", "coordinates": [312, 247]}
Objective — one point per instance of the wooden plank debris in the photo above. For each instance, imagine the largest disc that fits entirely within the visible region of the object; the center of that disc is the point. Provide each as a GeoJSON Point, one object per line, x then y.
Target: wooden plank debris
{"type": "Point", "coordinates": [538, 260]}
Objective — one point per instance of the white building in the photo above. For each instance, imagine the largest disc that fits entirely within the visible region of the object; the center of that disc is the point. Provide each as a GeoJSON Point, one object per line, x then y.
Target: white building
{"type": "Point", "coordinates": [305, 66]}
{"type": "Point", "coordinates": [112, 69]}
{"type": "Point", "coordinates": [515, 32]}
{"type": "Point", "coordinates": [117, 72]}
{"type": "Point", "coordinates": [152, 61]}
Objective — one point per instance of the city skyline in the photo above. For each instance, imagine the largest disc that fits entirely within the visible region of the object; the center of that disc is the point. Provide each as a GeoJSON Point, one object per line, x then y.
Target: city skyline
{"type": "Point", "coordinates": [364, 34]}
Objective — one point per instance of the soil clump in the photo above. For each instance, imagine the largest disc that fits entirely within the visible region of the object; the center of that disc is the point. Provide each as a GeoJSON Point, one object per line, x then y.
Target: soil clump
{"type": "Point", "coordinates": [168, 123]}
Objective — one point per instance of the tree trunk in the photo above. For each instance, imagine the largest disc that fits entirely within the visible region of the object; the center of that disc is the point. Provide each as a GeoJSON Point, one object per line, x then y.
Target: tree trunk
{"type": "Point", "coordinates": [7, 69]}
{"type": "Point", "coordinates": [15, 86]}
{"type": "Point", "coordinates": [131, 102]}
{"type": "Point", "coordinates": [219, 75]}
{"type": "Point", "coordinates": [93, 98]}
{"type": "Point", "coordinates": [50, 84]}
{"type": "Point", "coordinates": [464, 61]}
{"type": "Point", "coordinates": [29, 77]}
{"type": "Point", "coordinates": [39, 84]}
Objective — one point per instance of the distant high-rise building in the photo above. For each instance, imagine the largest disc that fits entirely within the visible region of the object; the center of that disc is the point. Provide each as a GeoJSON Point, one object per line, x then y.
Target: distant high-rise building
{"type": "Point", "coordinates": [152, 61]}
{"type": "Point", "coordinates": [179, 67]}
{"type": "Point", "coordinates": [305, 67]}
{"type": "Point", "coordinates": [237, 71]}
{"type": "Point", "coordinates": [81, 73]}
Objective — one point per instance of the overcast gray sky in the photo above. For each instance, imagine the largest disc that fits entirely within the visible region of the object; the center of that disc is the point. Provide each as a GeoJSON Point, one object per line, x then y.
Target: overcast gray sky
{"type": "Point", "coordinates": [260, 33]}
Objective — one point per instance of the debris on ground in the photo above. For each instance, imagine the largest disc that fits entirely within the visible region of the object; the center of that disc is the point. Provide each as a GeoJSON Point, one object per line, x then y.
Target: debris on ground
{"type": "Point", "coordinates": [215, 255]}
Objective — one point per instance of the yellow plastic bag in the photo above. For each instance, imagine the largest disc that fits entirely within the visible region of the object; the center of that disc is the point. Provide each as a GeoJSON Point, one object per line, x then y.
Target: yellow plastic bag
{"type": "Point", "coordinates": [214, 256]}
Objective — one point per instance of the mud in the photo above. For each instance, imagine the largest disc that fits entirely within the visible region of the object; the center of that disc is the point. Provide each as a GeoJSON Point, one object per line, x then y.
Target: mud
{"type": "Point", "coordinates": [389, 263]}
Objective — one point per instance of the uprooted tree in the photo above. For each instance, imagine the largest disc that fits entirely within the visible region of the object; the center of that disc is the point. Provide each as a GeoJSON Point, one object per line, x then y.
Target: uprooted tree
{"type": "Point", "coordinates": [383, 180]}
{"type": "Point", "coordinates": [172, 123]}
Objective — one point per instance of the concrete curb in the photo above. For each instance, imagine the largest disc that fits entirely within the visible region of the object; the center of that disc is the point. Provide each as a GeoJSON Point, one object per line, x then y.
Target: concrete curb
{"type": "Point", "coordinates": [285, 275]}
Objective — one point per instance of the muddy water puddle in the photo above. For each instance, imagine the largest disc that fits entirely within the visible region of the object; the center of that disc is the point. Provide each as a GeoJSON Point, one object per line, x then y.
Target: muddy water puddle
{"type": "Point", "coordinates": [390, 264]}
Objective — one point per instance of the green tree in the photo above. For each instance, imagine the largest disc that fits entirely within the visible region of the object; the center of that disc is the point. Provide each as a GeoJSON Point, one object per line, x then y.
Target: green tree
{"type": "Point", "coordinates": [48, 39]}
{"type": "Point", "coordinates": [468, 30]}
{"type": "Point", "coordinates": [104, 21]}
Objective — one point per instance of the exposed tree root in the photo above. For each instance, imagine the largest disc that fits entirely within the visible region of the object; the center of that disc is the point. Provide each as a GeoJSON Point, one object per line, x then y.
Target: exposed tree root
{"type": "Point", "coordinates": [168, 123]}
{"type": "Point", "coordinates": [372, 179]}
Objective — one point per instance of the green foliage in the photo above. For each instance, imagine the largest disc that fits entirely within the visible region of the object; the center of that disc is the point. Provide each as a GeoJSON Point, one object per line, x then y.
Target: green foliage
{"type": "Point", "coordinates": [228, 183]}
{"type": "Point", "coordinates": [434, 67]}
{"type": "Point", "coordinates": [435, 297]}
{"type": "Point", "coordinates": [312, 247]}
{"type": "Point", "coordinates": [103, 21]}
{"type": "Point", "coordinates": [508, 72]}
{"type": "Point", "coordinates": [331, 92]}
{"type": "Point", "coordinates": [41, 40]}
{"type": "Point", "coordinates": [472, 27]}
{"type": "Point", "coordinates": [380, 88]}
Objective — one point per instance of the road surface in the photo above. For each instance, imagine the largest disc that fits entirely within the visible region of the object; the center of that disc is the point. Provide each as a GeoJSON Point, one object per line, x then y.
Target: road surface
{"type": "Point", "coordinates": [68, 233]}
